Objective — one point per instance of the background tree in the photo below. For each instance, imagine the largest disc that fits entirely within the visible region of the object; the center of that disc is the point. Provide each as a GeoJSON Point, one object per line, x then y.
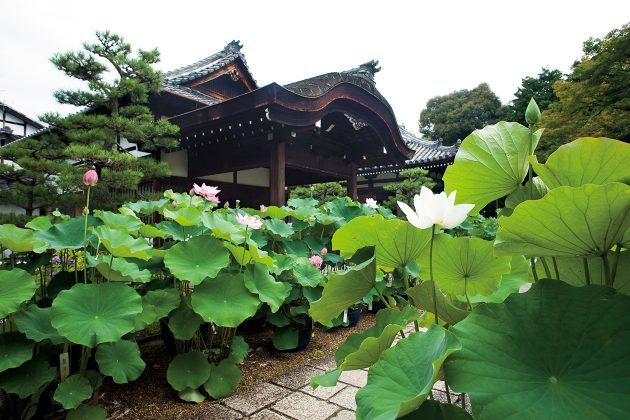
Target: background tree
{"type": "Point", "coordinates": [540, 88]}
{"type": "Point", "coordinates": [454, 116]}
{"type": "Point", "coordinates": [115, 110]}
{"type": "Point", "coordinates": [404, 190]}
{"type": "Point", "coordinates": [595, 98]}
{"type": "Point", "coordinates": [323, 192]}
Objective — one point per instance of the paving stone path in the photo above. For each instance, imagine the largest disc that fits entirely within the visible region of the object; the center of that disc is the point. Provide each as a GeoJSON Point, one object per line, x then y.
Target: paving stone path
{"type": "Point", "coordinates": [291, 397]}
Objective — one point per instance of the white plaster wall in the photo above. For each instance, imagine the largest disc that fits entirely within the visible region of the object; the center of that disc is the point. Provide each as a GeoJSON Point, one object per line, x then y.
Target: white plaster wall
{"type": "Point", "coordinates": [178, 162]}
{"type": "Point", "coordinates": [257, 177]}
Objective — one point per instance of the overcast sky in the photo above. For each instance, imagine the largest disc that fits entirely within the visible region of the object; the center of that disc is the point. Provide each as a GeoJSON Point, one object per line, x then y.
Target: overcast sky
{"type": "Point", "coordinates": [425, 48]}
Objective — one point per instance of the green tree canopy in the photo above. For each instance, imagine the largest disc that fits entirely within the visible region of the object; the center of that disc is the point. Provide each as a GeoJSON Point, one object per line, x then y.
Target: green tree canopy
{"type": "Point", "coordinates": [326, 191]}
{"type": "Point", "coordinates": [540, 88]}
{"type": "Point", "coordinates": [454, 116]}
{"type": "Point", "coordinates": [594, 101]}
{"type": "Point", "coordinates": [407, 187]}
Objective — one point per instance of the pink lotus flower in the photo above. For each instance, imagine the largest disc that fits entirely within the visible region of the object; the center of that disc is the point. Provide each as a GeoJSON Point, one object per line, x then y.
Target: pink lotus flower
{"type": "Point", "coordinates": [263, 208]}
{"type": "Point", "coordinates": [253, 222]}
{"type": "Point", "coordinates": [90, 178]}
{"type": "Point", "coordinates": [206, 191]}
{"type": "Point", "coordinates": [324, 251]}
{"type": "Point", "coordinates": [316, 260]}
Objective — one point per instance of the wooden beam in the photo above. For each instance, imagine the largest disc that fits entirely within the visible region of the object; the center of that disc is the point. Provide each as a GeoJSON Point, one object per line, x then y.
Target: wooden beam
{"type": "Point", "coordinates": [277, 174]}
{"type": "Point", "coordinates": [352, 182]}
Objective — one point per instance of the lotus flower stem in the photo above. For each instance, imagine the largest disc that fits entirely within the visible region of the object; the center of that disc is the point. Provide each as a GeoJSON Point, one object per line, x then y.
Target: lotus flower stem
{"type": "Point", "coordinates": [555, 267]}
{"type": "Point", "coordinates": [613, 271]}
{"type": "Point", "coordinates": [448, 392]}
{"type": "Point", "coordinates": [546, 267]}
{"type": "Point", "coordinates": [607, 276]}
{"type": "Point", "coordinates": [240, 270]}
{"type": "Point", "coordinates": [534, 272]}
{"type": "Point", "coordinates": [435, 305]}
{"type": "Point", "coordinates": [466, 293]}
{"type": "Point", "coordinates": [85, 226]}
{"type": "Point", "coordinates": [587, 275]}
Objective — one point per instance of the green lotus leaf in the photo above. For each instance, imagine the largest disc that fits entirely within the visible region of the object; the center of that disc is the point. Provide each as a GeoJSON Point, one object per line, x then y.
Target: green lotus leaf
{"type": "Point", "coordinates": [224, 378]}
{"type": "Point", "coordinates": [491, 163]}
{"type": "Point", "coordinates": [302, 202]}
{"type": "Point", "coordinates": [40, 223]}
{"type": "Point", "coordinates": [307, 274]}
{"type": "Point", "coordinates": [343, 290]}
{"type": "Point", "coordinates": [20, 240]}
{"type": "Point", "coordinates": [522, 193]}
{"type": "Point", "coordinates": [285, 338]}
{"type": "Point", "coordinates": [224, 300]}
{"type": "Point", "coordinates": [422, 297]}
{"type": "Point", "coordinates": [568, 221]}
{"type": "Point", "coordinates": [244, 256]}
{"type": "Point", "coordinates": [119, 269]}
{"type": "Point", "coordinates": [327, 379]}
{"type": "Point", "coordinates": [223, 227]}
{"type": "Point", "coordinates": [238, 349]}
{"type": "Point", "coordinates": [16, 286]}
{"type": "Point", "coordinates": [397, 243]}
{"type": "Point", "coordinates": [465, 266]}
{"type": "Point", "coordinates": [121, 244]}
{"type": "Point", "coordinates": [69, 234]}
{"type": "Point", "coordinates": [178, 232]}
{"type": "Point", "coordinates": [510, 282]}
{"type": "Point", "coordinates": [278, 319]}
{"type": "Point", "coordinates": [296, 248]}
{"type": "Point", "coordinates": [15, 349]}
{"type": "Point", "coordinates": [191, 395]}
{"type": "Point", "coordinates": [147, 207]}
{"type": "Point", "coordinates": [196, 259]}
{"type": "Point", "coordinates": [124, 222]}
{"type": "Point", "coordinates": [26, 379]}
{"type": "Point", "coordinates": [157, 304]}
{"type": "Point", "coordinates": [555, 352]}
{"type": "Point", "coordinates": [275, 212]}
{"type": "Point", "coordinates": [87, 412]}
{"type": "Point", "coordinates": [73, 391]}
{"type": "Point", "coordinates": [279, 228]}
{"type": "Point", "coordinates": [91, 314]}
{"type": "Point", "coordinates": [434, 410]}
{"type": "Point", "coordinates": [281, 263]}
{"type": "Point", "coordinates": [258, 281]}
{"type": "Point", "coordinates": [404, 376]}
{"type": "Point", "coordinates": [35, 323]}
{"type": "Point", "coordinates": [184, 322]}
{"type": "Point", "coordinates": [121, 360]}
{"type": "Point", "coordinates": [587, 160]}
{"type": "Point", "coordinates": [150, 231]}
{"type": "Point", "coordinates": [185, 216]}
{"type": "Point", "coordinates": [188, 370]}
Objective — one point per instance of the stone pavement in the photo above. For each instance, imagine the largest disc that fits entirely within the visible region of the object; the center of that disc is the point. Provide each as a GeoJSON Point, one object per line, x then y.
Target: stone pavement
{"type": "Point", "coordinates": [291, 397]}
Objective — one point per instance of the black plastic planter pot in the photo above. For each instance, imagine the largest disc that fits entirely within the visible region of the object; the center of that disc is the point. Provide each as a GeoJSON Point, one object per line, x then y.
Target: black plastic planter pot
{"type": "Point", "coordinates": [377, 305]}
{"type": "Point", "coordinates": [252, 324]}
{"type": "Point", "coordinates": [354, 315]}
{"type": "Point", "coordinates": [305, 334]}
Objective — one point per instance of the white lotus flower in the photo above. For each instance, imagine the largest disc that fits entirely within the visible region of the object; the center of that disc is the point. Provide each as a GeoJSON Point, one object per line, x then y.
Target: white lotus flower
{"type": "Point", "coordinates": [435, 209]}
{"type": "Point", "coordinates": [371, 203]}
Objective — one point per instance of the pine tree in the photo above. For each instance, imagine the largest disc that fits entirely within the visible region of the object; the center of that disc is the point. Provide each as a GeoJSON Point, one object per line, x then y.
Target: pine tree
{"type": "Point", "coordinates": [404, 190]}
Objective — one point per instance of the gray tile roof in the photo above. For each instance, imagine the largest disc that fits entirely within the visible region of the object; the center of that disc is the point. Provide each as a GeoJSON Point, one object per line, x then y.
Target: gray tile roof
{"type": "Point", "coordinates": [189, 93]}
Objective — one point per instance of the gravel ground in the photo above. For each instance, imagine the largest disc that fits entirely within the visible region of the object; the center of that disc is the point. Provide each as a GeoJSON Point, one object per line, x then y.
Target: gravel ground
{"type": "Point", "coordinates": [151, 397]}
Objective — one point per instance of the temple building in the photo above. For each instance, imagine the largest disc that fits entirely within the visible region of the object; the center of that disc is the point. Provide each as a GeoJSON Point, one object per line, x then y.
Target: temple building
{"type": "Point", "coordinates": [256, 142]}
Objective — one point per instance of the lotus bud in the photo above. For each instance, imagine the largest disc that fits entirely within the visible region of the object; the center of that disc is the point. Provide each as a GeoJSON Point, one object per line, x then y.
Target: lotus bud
{"type": "Point", "coordinates": [324, 251]}
{"type": "Point", "coordinates": [90, 178]}
{"type": "Point", "coordinates": [532, 113]}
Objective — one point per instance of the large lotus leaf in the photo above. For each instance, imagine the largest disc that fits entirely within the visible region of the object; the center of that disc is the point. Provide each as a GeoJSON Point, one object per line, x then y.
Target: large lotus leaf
{"type": "Point", "coordinates": [119, 269]}
{"type": "Point", "coordinates": [422, 297]}
{"type": "Point", "coordinates": [196, 259]}
{"type": "Point", "coordinates": [343, 290]}
{"type": "Point", "coordinates": [397, 243]}
{"type": "Point", "coordinates": [184, 322]}
{"type": "Point", "coordinates": [147, 207]}
{"type": "Point", "coordinates": [285, 338]}
{"type": "Point", "coordinates": [87, 412]}
{"type": "Point", "coordinates": [279, 228]}
{"type": "Point", "coordinates": [35, 323]}
{"type": "Point", "coordinates": [490, 164]}
{"type": "Point", "coordinates": [568, 221]}
{"type": "Point", "coordinates": [224, 227]}
{"type": "Point", "coordinates": [91, 314]}
{"type": "Point", "coordinates": [307, 274]}
{"type": "Point", "coordinates": [524, 192]}
{"type": "Point", "coordinates": [20, 240]}
{"type": "Point", "coordinates": [258, 280]}
{"type": "Point", "coordinates": [16, 286]}
{"type": "Point", "coordinates": [587, 160]}
{"type": "Point", "coordinates": [121, 244]}
{"type": "Point", "coordinates": [157, 304]}
{"type": "Point", "coordinates": [191, 395]}
{"type": "Point", "coordinates": [73, 391]}
{"type": "Point", "coordinates": [465, 265]}
{"type": "Point", "coordinates": [224, 300]}
{"type": "Point", "coordinates": [224, 378]}
{"type": "Point", "coordinates": [26, 379]}
{"type": "Point", "coordinates": [404, 376]}
{"type": "Point", "coordinates": [238, 349]}
{"type": "Point", "coordinates": [188, 370]}
{"type": "Point", "coordinates": [150, 231]}
{"type": "Point", "coordinates": [510, 282]}
{"type": "Point", "coordinates": [185, 216]}
{"type": "Point", "coordinates": [434, 410]}
{"type": "Point", "coordinates": [40, 223]}
{"type": "Point", "coordinates": [121, 360]}
{"type": "Point", "coordinates": [244, 256]}
{"type": "Point", "coordinates": [555, 352]}
{"type": "Point", "coordinates": [15, 349]}
{"type": "Point", "coordinates": [125, 222]}
{"type": "Point", "coordinates": [69, 234]}
{"type": "Point", "coordinates": [178, 232]}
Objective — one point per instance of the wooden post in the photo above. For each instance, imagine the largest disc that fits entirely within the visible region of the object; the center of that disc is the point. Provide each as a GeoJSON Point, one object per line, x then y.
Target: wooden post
{"type": "Point", "coordinates": [276, 174]}
{"type": "Point", "coordinates": [352, 182]}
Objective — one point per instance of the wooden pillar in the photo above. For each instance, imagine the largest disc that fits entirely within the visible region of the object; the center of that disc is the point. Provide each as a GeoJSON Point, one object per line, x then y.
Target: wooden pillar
{"type": "Point", "coordinates": [276, 174]}
{"type": "Point", "coordinates": [352, 182]}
